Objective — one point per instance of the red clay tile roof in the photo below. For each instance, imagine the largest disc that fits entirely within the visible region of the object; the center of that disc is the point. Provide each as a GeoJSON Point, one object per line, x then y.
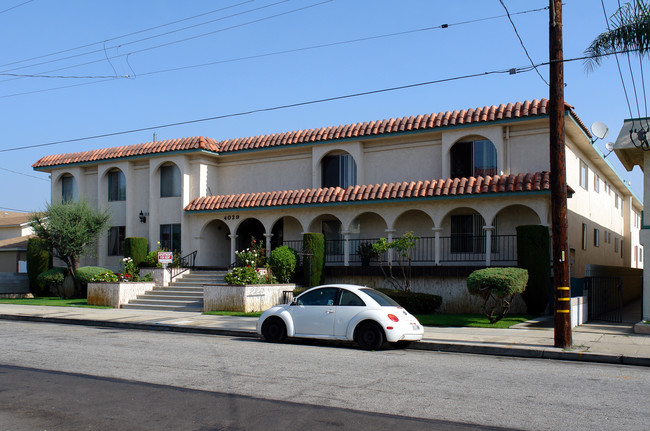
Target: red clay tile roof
{"type": "Point", "coordinates": [374, 128]}
{"type": "Point", "coordinates": [538, 181]}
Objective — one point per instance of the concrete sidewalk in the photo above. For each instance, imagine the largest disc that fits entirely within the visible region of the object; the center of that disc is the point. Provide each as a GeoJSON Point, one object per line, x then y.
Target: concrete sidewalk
{"type": "Point", "coordinates": [605, 343]}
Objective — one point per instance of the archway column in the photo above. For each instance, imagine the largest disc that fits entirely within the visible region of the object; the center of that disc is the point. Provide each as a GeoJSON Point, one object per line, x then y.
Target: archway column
{"type": "Point", "coordinates": [488, 244]}
{"type": "Point", "coordinates": [268, 237]}
{"type": "Point", "coordinates": [346, 247]}
{"type": "Point", "coordinates": [233, 245]}
{"type": "Point", "coordinates": [436, 244]}
{"type": "Point", "coordinates": [389, 237]}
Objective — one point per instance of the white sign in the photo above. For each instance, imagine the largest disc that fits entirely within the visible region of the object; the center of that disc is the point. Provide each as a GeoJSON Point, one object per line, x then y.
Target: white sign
{"type": "Point", "coordinates": [165, 256]}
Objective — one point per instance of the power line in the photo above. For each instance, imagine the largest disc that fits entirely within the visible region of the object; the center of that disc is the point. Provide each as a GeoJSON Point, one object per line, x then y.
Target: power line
{"type": "Point", "coordinates": [159, 35]}
{"type": "Point", "coordinates": [282, 52]}
{"type": "Point", "coordinates": [522, 42]}
{"type": "Point", "coordinates": [67, 77]}
{"type": "Point", "coordinates": [14, 7]}
{"type": "Point", "coordinates": [26, 175]}
{"type": "Point", "coordinates": [14, 209]}
{"type": "Point", "coordinates": [125, 35]}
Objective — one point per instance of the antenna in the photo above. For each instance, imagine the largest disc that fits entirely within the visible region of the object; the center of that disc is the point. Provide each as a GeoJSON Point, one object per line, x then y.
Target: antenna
{"type": "Point", "coordinates": [599, 130]}
{"type": "Point", "coordinates": [155, 137]}
{"type": "Point", "coordinates": [609, 147]}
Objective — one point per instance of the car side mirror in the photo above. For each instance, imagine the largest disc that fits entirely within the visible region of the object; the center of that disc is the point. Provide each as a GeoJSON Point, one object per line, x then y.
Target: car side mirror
{"type": "Point", "coordinates": [294, 301]}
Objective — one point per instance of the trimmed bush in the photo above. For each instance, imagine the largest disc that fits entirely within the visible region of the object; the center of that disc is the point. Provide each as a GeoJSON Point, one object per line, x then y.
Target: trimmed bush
{"type": "Point", "coordinates": [283, 261]}
{"type": "Point", "coordinates": [151, 260]}
{"type": "Point", "coordinates": [533, 254]}
{"type": "Point", "coordinates": [38, 261]}
{"type": "Point", "coordinates": [314, 265]}
{"type": "Point", "coordinates": [498, 286]}
{"type": "Point", "coordinates": [52, 279]}
{"type": "Point", "coordinates": [136, 248]}
{"type": "Point", "coordinates": [85, 275]}
{"type": "Point", "coordinates": [242, 275]}
{"type": "Point", "coordinates": [415, 302]}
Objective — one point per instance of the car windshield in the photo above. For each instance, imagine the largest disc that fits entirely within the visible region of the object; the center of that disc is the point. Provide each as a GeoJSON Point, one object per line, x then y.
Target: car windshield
{"type": "Point", "coordinates": [381, 299]}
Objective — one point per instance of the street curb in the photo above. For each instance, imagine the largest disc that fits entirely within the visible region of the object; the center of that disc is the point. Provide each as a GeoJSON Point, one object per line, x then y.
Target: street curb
{"type": "Point", "coordinates": [510, 351]}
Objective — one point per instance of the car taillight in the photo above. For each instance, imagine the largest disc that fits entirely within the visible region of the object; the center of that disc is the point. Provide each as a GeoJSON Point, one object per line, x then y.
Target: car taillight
{"type": "Point", "coordinates": [393, 318]}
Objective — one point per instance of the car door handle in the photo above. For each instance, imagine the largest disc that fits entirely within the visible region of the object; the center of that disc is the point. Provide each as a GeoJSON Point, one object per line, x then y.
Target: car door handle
{"type": "Point", "coordinates": [329, 311]}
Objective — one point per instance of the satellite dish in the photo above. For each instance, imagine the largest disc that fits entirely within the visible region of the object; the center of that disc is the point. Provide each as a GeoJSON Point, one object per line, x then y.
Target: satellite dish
{"type": "Point", "coordinates": [600, 130]}
{"type": "Point", "coordinates": [609, 146]}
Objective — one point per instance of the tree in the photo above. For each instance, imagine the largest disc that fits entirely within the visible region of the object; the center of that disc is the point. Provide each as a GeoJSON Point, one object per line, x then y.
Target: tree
{"type": "Point", "coordinates": [630, 32]}
{"type": "Point", "coordinates": [497, 287]}
{"type": "Point", "coordinates": [404, 247]}
{"type": "Point", "coordinates": [68, 231]}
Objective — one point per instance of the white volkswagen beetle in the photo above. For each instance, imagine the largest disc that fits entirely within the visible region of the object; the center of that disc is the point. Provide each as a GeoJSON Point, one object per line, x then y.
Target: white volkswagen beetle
{"type": "Point", "coordinates": [341, 312]}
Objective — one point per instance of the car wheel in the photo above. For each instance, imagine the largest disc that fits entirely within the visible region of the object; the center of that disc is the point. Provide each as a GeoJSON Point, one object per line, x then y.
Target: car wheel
{"type": "Point", "coordinates": [401, 344]}
{"type": "Point", "coordinates": [274, 330]}
{"type": "Point", "coordinates": [370, 336]}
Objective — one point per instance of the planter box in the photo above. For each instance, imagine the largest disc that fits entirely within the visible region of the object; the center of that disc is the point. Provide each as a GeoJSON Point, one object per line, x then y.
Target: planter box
{"type": "Point", "coordinates": [116, 294]}
{"type": "Point", "coordinates": [249, 299]}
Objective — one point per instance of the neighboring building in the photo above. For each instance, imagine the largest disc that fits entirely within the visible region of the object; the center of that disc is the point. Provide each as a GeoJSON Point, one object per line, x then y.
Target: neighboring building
{"type": "Point", "coordinates": [14, 232]}
{"type": "Point", "coordinates": [462, 181]}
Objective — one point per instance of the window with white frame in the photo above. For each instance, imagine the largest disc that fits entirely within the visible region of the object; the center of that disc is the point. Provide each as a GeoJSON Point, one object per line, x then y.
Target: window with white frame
{"type": "Point", "coordinates": [116, 185]}
{"type": "Point", "coordinates": [584, 175]}
{"type": "Point", "coordinates": [473, 159]}
{"type": "Point", "coordinates": [170, 181]}
{"type": "Point", "coordinates": [596, 183]}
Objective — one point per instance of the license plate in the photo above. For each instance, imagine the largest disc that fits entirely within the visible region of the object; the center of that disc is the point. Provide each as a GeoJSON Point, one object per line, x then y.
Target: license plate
{"type": "Point", "coordinates": [415, 326]}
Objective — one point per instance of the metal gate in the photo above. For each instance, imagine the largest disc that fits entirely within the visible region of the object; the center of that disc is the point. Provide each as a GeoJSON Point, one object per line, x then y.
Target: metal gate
{"type": "Point", "coordinates": [605, 301]}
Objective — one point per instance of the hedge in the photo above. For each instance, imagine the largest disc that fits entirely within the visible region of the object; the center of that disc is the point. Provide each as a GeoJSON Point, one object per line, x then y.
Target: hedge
{"type": "Point", "coordinates": [314, 260]}
{"type": "Point", "coordinates": [283, 261]}
{"type": "Point", "coordinates": [136, 249]}
{"type": "Point", "coordinates": [38, 261]}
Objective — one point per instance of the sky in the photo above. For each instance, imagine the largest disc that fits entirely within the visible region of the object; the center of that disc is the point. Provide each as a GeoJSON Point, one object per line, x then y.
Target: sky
{"type": "Point", "coordinates": [95, 68]}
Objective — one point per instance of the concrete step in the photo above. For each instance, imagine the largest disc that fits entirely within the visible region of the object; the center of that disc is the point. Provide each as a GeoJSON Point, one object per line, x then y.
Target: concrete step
{"type": "Point", "coordinates": [198, 309]}
{"type": "Point", "coordinates": [190, 292]}
{"type": "Point", "coordinates": [170, 297]}
{"type": "Point", "coordinates": [170, 303]}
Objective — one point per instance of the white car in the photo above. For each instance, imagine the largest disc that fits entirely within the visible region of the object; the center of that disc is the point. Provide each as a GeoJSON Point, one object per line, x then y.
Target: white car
{"type": "Point", "coordinates": [342, 312]}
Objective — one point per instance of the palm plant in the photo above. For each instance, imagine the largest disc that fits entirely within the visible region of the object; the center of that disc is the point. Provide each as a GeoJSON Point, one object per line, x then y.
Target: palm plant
{"type": "Point", "coordinates": [630, 33]}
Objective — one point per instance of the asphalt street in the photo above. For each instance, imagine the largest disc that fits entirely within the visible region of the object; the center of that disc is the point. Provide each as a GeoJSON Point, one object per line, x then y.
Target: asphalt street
{"type": "Point", "coordinates": [173, 376]}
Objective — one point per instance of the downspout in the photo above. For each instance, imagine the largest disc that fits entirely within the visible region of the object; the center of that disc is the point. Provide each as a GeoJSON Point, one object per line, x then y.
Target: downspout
{"type": "Point", "coordinates": [506, 152]}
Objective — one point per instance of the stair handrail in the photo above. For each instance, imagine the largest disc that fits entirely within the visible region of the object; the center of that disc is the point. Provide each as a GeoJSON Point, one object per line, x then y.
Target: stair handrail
{"type": "Point", "coordinates": [182, 264]}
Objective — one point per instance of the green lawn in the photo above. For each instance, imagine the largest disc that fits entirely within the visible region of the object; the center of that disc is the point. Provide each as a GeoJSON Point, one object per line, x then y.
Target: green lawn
{"type": "Point", "coordinates": [471, 320]}
{"type": "Point", "coordinates": [50, 300]}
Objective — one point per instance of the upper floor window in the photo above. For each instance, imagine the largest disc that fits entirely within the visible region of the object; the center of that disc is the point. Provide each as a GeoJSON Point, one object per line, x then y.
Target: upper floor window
{"type": "Point", "coordinates": [596, 183]}
{"type": "Point", "coordinates": [170, 181]}
{"type": "Point", "coordinates": [473, 159]}
{"type": "Point", "coordinates": [338, 170]}
{"type": "Point", "coordinates": [116, 185]}
{"type": "Point", "coordinates": [584, 175]}
{"type": "Point", "coordinates": [68, 189]}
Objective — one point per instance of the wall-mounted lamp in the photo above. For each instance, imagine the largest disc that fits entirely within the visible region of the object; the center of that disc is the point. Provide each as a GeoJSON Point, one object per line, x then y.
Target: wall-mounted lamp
{"type": "Point", "coordinates": [143, 217]}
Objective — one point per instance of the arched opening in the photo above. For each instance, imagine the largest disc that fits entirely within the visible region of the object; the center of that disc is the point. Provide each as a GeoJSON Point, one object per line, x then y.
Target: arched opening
{"type": "Point", "coordinates": [331, 227]}
{"type": "Point", "coordinates": [504, 236]}
{"type": "Point", "coordinates": [463, 236]}
{"type": "Point", "coordinates": [248, 231]}
{"type": "Point", "coordinates": [287, 231]}
{"type": "Point", "coordinates": [338, 169]}
{"type": "Point", "coordinates": [420, 224]}
{"type": "Point", "coordinates": [365, 230]}
{"type": "Point", "coordinates": [214, 246]}
{"type": "Point", "coordinates": [472, 158]}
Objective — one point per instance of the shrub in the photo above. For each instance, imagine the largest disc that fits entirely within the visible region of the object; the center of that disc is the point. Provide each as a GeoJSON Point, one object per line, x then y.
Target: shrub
{"type": "Point", "coordinates": [314, 261]}
{"type": "Point", "coordinates": [106, 275]}
{"type": "Point", "coordinates": [415, 302]}
{"type": "Point", "coordinates": [151, 260]}
{"type": "Point", "coordinates": [38, 261]}
{"type": "Point", "coordinates": [136, 249]}
{"type": "Point", "coordinates": [53, 279]}
{"type": "Point", "coordinates": [498, 286]}
{"type": "Point", "coordinates": [283, 261]}
{"type": "Point", "coordinates": [242, 275]}
{"type": "Point", "coordinates": [85, 274]}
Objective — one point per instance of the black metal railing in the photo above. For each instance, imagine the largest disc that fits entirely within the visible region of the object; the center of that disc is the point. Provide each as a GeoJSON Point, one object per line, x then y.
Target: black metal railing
{"type": "Point", "coordinates": [182, 264]}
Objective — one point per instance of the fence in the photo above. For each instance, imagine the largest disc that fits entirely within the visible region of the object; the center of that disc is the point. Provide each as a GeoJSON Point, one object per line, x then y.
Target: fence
{"type": "Point", "coordinates": [605, 298]}
{"type": "Point", "coordinates": [453, 249]}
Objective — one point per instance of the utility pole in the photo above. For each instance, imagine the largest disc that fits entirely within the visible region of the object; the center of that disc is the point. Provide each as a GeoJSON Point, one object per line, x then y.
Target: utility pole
{"type": "Point", "coordinates": [561, 289]}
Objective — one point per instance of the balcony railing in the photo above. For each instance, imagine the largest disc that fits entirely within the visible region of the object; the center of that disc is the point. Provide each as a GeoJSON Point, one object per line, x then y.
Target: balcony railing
{"type": "Point", "coordinates": [453, 249]}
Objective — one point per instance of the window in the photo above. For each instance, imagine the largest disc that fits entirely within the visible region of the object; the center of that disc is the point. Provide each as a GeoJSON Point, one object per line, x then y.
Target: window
{"type": "Point", "coordinates": [596, 183]}
{"type": "Point", "coordinates": [170, 181]}
{"type": "Point", "coordinates": [621, 248]}
{"type": "Point", "coordinates": [381, 298]}
{"type": "Point", "coordinates": [68, 189]}
{"type": "Point", "coordinates": [170, 237]}
{"type": "Point", "coordinates": [473, 159]}
{"type": "Point", "coordinates": [116, 241]}
{"type": "Point", "coordinates": [116, 185]}
{"type": "Point", "coordinates": [615, 200]}
{"type": "Point", "coordinates": [596, 238]}
{"type": "Point", "coordinates": [325, 296]}
{"type": "Point", "coordinates": [338, 170]}
{"type": "Point", "coordinates": [636, 253]}
{"type": "Point", "coordinates": [349, 299]}
{"type": "Point", "coordinates": [584, 236]}
{"type": "Point", "coordinates": [640, 254]}
{"type": "Point", "coordinates": [615, 245]}
{"type": "Point", "coordinates": [584, 175]}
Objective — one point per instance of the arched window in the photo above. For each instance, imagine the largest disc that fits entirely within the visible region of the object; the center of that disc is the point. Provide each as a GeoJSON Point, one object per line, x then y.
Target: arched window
{"type": "Point", "coordinates": [338, 170]}
{"type": "Point", "coordinates": [473, 159]}
{"type": "Point", "coordinates": [170, 181]}
{"type": "Point", "coordinates": [116, 185]}
{"type": "Point", "coordinates": [68, 188]}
